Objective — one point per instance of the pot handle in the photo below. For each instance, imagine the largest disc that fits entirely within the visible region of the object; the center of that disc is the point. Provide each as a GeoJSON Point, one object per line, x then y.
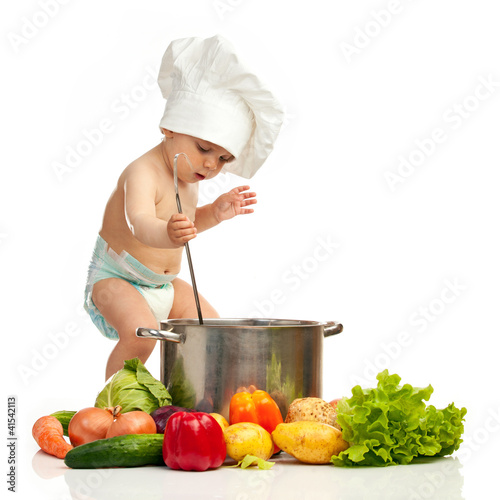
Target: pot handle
{"type": "Point", "coordinates": [150, 333]}
{"type": "Point", "coordinates": [332, 328]}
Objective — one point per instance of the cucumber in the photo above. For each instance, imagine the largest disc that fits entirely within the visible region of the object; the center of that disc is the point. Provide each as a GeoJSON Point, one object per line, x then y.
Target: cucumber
{"type": "Point", "coordinates": [64, 416]}
{"type": "Point", "coordinates": [131, 450]}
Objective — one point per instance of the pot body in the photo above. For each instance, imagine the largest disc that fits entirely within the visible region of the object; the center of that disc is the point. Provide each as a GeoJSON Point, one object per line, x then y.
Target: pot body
{"type": "Point", "coordinates": [210, 362]}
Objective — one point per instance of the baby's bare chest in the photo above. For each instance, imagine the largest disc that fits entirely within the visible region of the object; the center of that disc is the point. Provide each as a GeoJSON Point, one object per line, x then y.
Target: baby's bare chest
{"type": "Point", "coordinates": [166, 204]}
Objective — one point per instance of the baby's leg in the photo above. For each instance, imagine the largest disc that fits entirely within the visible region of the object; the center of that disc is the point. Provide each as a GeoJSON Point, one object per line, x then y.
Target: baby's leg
{"type": "Point", "coordinates": [125, 309]}
{"type": "Point", "coordinates": [184, 305]}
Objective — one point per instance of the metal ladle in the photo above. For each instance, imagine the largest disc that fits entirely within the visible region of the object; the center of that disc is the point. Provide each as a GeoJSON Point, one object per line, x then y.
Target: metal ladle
{"type": "Point", "coordinates": [188, 253]}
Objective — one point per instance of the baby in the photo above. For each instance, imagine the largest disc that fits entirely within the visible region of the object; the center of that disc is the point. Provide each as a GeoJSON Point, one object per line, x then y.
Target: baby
{"type": "Point", "coordinates": [222, 118]}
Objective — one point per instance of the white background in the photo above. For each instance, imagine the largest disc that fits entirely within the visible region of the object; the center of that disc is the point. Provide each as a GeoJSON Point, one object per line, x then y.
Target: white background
{"type": "Point", "coordinates": [411, 266]}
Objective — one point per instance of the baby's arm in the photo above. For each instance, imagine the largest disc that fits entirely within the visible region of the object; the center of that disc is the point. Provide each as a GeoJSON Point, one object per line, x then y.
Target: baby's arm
{"type": "Point", "coordinates": [225, 207]}
{"type": "Point", "coordinates": [140, 188]}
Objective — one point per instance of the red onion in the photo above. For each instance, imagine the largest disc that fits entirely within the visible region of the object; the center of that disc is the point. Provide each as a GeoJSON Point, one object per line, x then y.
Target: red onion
{"type": "Point", "coordinates": [162, 414]}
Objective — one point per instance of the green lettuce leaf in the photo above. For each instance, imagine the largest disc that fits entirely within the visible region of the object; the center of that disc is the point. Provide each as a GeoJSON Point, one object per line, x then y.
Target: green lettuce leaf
{"type": "Point", "coordinates": [133, 388]}
{"type": "Point", "coordinates": [249, 460]}
{"type": "Point", "coordinates": [391, 424]}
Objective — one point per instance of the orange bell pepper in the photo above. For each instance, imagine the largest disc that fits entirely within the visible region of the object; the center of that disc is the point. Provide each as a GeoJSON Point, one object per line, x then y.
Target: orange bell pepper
{"type": "Point", "coordinates": [258, 407]}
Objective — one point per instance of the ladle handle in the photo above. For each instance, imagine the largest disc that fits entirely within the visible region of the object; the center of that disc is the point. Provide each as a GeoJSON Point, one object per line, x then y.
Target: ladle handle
{"type": "Point", "coordinates": [193, 282]}
{"type": "Point", "coordinates": [186, 246]}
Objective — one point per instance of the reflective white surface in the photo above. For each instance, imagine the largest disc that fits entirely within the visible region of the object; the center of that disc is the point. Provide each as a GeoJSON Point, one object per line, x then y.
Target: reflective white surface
{"type": "Point", "coordinates": [441, 479]}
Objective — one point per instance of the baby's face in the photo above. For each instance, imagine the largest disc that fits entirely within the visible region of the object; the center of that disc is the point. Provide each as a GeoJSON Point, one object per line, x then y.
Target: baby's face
{"type": "Point", "coordinates": [207, 159]}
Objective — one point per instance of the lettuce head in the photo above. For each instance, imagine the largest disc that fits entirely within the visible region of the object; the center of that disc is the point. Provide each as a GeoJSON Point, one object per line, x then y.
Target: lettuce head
{"type": "Point", "coordinates": [391, 424]}
{"type": "Point", "coordinates": [133, 388]}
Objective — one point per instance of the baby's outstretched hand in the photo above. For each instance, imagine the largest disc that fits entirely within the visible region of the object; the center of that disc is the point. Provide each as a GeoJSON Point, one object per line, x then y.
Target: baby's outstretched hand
{"type": "Point", "coordinates": [233, 203]}
{"type": "Point", "coordinates": [180, 229]}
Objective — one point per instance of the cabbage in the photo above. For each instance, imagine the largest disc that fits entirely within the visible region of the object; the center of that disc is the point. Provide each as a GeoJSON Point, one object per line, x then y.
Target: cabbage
{"type": "Point", "coordinates": [133, 388]}
{"type": "Point", "coordinates": [392, 425]}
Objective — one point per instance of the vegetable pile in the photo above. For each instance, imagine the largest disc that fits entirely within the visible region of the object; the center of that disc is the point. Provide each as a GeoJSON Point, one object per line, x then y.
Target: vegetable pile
{"type": "Point", "coordinates": [134, 424]}
{"type": "Point", "coordinates": [391, 424]}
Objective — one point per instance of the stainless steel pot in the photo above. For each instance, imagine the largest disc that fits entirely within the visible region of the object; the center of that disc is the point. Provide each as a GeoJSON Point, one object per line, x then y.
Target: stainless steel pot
{"type": "Point", "coordinates": [202, 366]}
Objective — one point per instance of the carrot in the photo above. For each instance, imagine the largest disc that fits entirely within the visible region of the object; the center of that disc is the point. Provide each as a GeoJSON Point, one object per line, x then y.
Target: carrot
{"type": "Point", "coordinates": [48, 433]}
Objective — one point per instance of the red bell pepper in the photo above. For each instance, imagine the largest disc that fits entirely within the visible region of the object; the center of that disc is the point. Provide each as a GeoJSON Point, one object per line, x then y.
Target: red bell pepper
{"type": "Point", "coordinates": [193, 441]}
{"type": "Point", "coordinates": [258, 407]}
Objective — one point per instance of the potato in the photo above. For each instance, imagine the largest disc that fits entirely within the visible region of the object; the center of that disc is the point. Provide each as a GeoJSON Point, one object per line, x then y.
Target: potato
{"type": "Point", "coordinates": [247, 438]}
{"type": "Point", "coordinates": [310, 442]}
{"type": "Point", "coordinates": [220, 420]}
{"type": "Point", "coordinates": [312, 410]}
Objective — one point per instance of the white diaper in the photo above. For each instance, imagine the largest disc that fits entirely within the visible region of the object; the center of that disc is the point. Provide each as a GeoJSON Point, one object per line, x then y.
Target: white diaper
{"type": "Point", "coordinates": [160, 300]}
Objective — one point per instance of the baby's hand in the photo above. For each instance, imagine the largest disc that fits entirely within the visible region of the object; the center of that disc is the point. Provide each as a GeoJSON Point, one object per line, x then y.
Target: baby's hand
{"type": "Point", "coordinates": [180, 229]}
{"type": "Point", "coordinates": [233, 203]}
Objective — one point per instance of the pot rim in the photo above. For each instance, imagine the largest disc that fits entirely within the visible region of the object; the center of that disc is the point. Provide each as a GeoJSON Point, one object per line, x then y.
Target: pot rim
{"type": "Point", "coordinates": [250, 323]}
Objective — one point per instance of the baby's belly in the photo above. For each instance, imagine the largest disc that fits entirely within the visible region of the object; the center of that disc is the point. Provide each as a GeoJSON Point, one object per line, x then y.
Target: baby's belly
{"type": "Point", "coordinates": [159, 260]}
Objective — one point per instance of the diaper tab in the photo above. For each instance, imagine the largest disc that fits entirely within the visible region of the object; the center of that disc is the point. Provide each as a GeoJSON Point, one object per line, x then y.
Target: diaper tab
{"type": "Point", "coordinates": [142, 274]}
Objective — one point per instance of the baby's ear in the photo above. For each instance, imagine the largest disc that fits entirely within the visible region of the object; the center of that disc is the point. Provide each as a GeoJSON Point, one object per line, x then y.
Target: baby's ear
{"type": "Point", "coordinates": [167, 133]}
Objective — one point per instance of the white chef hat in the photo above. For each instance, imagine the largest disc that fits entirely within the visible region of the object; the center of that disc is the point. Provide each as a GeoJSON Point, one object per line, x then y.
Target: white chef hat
{"type": "Point", "coordinates": [212, 95]}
